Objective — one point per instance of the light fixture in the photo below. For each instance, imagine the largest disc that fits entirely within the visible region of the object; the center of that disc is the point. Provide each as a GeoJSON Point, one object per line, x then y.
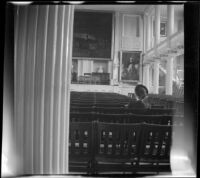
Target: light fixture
{"type": "Point", "coordinates": [21, 3]}
{"type": "Point", "coordinates": [74, 2]}
{"type": "Point", "coordinates": [125, 1]}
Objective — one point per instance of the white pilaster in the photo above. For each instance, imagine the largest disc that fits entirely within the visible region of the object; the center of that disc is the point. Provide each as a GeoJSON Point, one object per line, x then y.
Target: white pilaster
{"type": "Point", "coordinates": [147, 76]}
{"type": "Point", "coordinates": [157, 24]}
{"type": "Point", "coordinates": [169, 76]}
{"type": "Point", "coordinates": [148, 34]}
{"type": "Point", "coordinates": [116, 48]}
{"type": "Point", "coordinates": [157, 40]}
{"type": "Point", "coordinates": [170, 18]}
{"type": "Point", "coordinates": [170, 31]}
{"type": "Point", "coordinates": [156, 78]}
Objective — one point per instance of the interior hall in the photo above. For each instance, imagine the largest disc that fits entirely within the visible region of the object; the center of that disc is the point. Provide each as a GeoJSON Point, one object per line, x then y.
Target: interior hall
{"type": "Point", "coordinates": [97, 90]}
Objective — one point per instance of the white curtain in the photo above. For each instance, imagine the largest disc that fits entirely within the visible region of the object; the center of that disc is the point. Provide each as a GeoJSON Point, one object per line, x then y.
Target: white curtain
{"type": "Point", "coordinates": [42, 59]}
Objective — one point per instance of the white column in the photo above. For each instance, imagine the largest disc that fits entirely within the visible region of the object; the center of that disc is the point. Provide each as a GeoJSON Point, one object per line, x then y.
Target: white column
{"type": "Point", "coordinates": [150, 79]}
{"type": "Point", "coordinates": [116, 48]}
{"type": "Point", "coordinates": [110, 70]}
{"type": "Point", "coordinates": [143, 74]}
{"type": "Point", "coordinates": [169, 76]}
{"type": "Point", "coordinates": [170, 18]}
{"type": "Point", "coordinates": [170, 30]}
{"type": "Point", "coordinates": [80, 67]}
{"type": "Point", "coordinates": [148, 34]}
{"type": "Point", "coordinates": [147, 76]}
{"type": "Point", "coordinates": [92, 66]}
{"type": "Point", "coordinates": [157, 40]}
{"type": "Point", "coordinates": [156, 78]}
{"type": "Point", "coordinates": [157, 24]}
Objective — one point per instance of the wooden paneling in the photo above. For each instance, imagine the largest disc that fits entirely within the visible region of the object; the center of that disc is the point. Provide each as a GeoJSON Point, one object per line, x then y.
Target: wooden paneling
{"type": "Point", "coordinates": [43, 45]}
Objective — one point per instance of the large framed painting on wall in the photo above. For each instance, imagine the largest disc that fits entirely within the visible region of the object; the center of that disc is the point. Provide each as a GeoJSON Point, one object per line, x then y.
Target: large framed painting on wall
{"type": "Point", "coordinates": [130, 66]}
{"type": "Point", "coordinates": [92, 36]}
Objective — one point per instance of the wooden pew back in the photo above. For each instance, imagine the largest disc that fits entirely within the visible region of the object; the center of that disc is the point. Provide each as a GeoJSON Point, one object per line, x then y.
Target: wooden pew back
{"type": "Point", "coordinates": [81, 146]}
{"type": "Point", "coordinates": [121, 110]}
{"type": "Point", "coordinates": [155, 148]}
{"type": "Point", "coordinates": [105, 147]}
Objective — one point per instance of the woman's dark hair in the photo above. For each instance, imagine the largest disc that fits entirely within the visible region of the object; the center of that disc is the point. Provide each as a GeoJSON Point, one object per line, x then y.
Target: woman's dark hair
{"type": "Point", "coordinates": [141, 91]}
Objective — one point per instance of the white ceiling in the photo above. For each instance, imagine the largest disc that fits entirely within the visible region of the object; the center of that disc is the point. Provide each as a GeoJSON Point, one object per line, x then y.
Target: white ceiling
{"type": "Point", "coordinates": [130, 8]}
{"type": "Point", "coordinates": [136, 9]}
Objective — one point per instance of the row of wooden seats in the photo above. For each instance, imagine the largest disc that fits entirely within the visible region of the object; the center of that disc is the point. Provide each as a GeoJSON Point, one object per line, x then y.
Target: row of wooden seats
{"type": "Point", "coordinates": [99, 101]}
{"type": "Point", "coordinates": [178, 107]}
{"type": "Point", "coordinates": [83, 99]}
{"type": "Point", "coordinates": [166, 97]}
{"type": "Point", "coordinates": [167, 101]}
{"type": "Point", "coordinates": [97, 147]}
{"type": "Point", "coordinates": [104, 104]}
{"type": "Point", "coordinates": [127, 118]}
{"type": "Point", "coordinates": [96, 96]}
{"type": "Point", "coordinates": [121, 110]}
{"type": "Point", "coordinates": [109, 99]}
{"type": "Point", "coordinates": [111, 102]}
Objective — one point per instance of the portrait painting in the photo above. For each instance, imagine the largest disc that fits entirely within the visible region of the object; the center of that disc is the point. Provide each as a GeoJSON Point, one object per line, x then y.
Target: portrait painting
{"type": "Point", "coordinates": [130, 66]}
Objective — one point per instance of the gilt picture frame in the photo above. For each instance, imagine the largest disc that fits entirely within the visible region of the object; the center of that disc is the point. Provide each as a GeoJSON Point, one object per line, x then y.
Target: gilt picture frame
{"type": "Point", "coordinates": [130, 66]}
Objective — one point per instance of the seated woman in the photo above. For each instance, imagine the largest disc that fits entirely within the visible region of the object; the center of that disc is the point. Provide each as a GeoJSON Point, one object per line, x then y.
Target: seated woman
{"type": "Point", "coordinates": [141, 101]}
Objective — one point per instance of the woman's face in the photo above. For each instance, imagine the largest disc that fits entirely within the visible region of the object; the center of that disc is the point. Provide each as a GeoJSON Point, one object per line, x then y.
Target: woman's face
{"type": "Point", "coordinates": [141, 93]}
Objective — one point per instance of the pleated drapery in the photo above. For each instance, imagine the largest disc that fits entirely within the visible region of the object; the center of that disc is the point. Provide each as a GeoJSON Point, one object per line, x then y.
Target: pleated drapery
{"type": "Point", "coordinates": [42, 69]}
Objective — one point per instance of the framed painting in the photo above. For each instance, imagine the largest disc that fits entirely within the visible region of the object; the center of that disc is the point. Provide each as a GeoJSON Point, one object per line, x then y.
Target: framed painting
{"type": "Point", "coordinates": [163, 29]}
{"type": "Point", "coordinates": [130, 66]}
{"type": "Point", "coordinates": [92, 36]}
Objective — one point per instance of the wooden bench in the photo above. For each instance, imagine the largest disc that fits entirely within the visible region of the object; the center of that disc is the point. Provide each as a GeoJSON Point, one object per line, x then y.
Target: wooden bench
{"type": "Point", "coordinates": [151, 119]}
{"type": "Point", "coordinates": [128, 118]}
{"type": "Point", "coordinates": [81, 147]}
{"type": "Point", "coordinates": [98, 147]}
{"type": "Point", "coordinates": [157, 107]}
{"type": "Point", "coordinates": [117, 145]}
{"type": "Point", "coordinates": [112, 118]}
{"type": "Point", "coordinates": [155, 147]}
{"type": "Point", "coordinates": [82, 117]}
{"type": "Point", "coordinates": [122, 110]}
